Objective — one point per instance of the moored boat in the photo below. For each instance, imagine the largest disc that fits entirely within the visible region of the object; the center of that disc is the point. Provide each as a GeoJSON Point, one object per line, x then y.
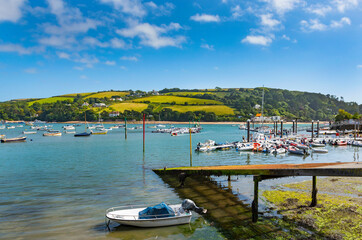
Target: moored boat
{"type": "Point", "coordinates": [52, 134]}
{"type": "Point", "coordinates": [319, 150]}
{"type": "Point", "coordinates": [18, 139]}
{"type": "Point", "coordinates": [29, 132]}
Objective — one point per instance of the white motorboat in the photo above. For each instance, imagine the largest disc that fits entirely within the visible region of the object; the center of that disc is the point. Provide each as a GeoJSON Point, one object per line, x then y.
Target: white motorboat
{"type": "Point", "coordinates": [278, 151]}
{"type": "Point", "coordinates": [68, 127]}
{"type": "Point", "coordinates": [129, 215]}
{"type": "Point", "coordinates": [317, 145]}
{"type": "Point", "coordinates": [244, 146]}
{"type": "Point", "coordinates": [29, 132]}
{"type": "Point", "coordinates": [319, 150]}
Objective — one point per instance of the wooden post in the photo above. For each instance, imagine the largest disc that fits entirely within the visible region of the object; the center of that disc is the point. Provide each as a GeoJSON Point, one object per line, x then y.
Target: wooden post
{"type": "Point", "coordinates": [281, 128]}
{"type": "Point", "coordinates": [125, 127]}
{"type": "Point", "coordinates": [293, 126]}
{"type": "Point", "coordinates": [274, 130]}
{"type": "Point", "coordinates": [190, 148]}
{"type": "Point", "coordinates": [314, 192]}
{"type": "Point", "coordinates": [296, 125]}
{"type": "Point", "coordinates": [276, 127]}
{"type": "Point", "coordinates": [254, 205]}
{"type": "Point", "coordinates": [317, 128]}
{"type": "Point", "coordinates": [312, 129]}
{"type": "Point", "coordinates": [248, 128]}
{"type": "Point", "coordinates": [144, 131]}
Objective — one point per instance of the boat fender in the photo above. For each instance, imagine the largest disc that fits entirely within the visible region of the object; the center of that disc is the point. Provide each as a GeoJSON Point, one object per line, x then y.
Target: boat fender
{"type": "Point", "coordinates": [189, 205]}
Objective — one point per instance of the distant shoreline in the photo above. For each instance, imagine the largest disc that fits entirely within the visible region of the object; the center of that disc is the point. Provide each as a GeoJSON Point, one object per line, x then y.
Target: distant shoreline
{"type": "Point", "coordinates": [173, 122]}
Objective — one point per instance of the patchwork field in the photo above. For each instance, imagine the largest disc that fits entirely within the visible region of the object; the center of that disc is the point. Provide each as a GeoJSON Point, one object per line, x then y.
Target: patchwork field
{"type": "Point", "coordinates": [107, 94]}
{"type": "Point", "coordinates": [217, 109]}
{"type": "Point", "coordinates": [75, 94]}
{"type": "Point", "coordinates": [121, 107]}
{"type": "Point", "coordinates": [50, 100]}
{"type": "Point", "coordinates": [178, 100]}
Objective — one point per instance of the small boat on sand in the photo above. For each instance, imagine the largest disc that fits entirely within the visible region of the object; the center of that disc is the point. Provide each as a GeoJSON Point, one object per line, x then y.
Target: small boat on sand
{"type": "Point", "coordinates": [18, 139]}
{"type": "Point", "coordinates": [160, 215]}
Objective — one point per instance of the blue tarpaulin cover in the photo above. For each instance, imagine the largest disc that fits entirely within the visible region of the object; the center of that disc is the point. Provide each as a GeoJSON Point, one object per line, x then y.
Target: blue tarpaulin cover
{"type": "Point", "coordinates": [158, 211]}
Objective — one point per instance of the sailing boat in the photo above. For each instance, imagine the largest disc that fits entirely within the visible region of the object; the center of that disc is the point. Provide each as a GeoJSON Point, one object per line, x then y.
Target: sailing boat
{"type": "Point", "coordinates": [100, 127]}
{"type": "Point", "coordinates": [85, 133]}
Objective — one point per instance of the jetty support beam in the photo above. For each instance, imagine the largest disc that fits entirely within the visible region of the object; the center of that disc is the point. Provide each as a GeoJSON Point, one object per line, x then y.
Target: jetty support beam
{"type": "Point", "coordinates": [314, 192]}
{"type": "Point", "coordinates": [254, 205]}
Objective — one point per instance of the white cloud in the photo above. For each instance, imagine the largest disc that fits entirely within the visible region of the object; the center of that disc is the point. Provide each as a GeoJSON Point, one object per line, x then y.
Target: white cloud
{"type": "Point", "coordinates": [160, 10]}
{"type": "Point", "coordinates": [205, 18]}
{"type": "Point", "coordinates": [129, 58]}
{"type": "Point", "coordinates": [319, 9]}
{"type": "Point", "coordinates": [224, 1]}
{"type": "Point", "coordinates": [15, 48]}
{"type": "Point", "coordinates": [63, 55]}
{"type": "Point", "coordinates": [343, 5]}
{"type": "Point", "coordinates": [286, 37]}
{"type": "Point", "coordinates": [30, 70]}
{"type": "Point", "coordinates": [83, 77]}
{"type": "Point", "coordinates": [359, 66]}
{"type": "Point", "coordinates": [257, 40]}
{"type": "Point", "coordinates": [268, 21]}
{"type": "Point", "coordinates": [58, 41]}
{"type": "Point", "coordinates": [236, 12]}
{"type": "Point", "coordinates": [344, 21]}
{"type": "Point", "coordinates": [152, 35]}
{"type": "Point", "coordinates": [216, 68]}
{"type": "Point", "coordinates": [208, 47]}
{"type": "Point", "coordinates": [10, 10]}
{"type": "Point", "coordinates": [110, 63]}
{"type": "Point", "coordinates": [131, 7]}
{"type": "Point", "coordinates": [123, 67]}
{"type": "Point", "coordinates": [313, 25]}
{"type": "Point", "coordinates": [78, 68]}
{"type": "Point", "coordinates": [283, 6]}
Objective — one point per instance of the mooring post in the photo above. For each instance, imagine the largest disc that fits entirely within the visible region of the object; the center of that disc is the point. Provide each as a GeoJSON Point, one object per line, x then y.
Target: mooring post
{"type": "Point", "coordinates": [314, 192]}
{"type": "Point", "coordinates": [281, 128]}
{"type": "Point", "coordinates": [312, 129]}
{"type": "Point", "coordinates": [190, 148]}
{"type": "Point", "coordinates": [254, 206]}
{"type": "Point", "coordinates": [125, 127]}
{"type": "Point", "coordinates": [317, 128]}
{"type": "Point", "coordinates": [293, 126]}
{"type": "Point", "coordinates": [296, 125]}
{"type": "Point", "coordinates": [144, 131]}
{"type": "Point", "coordinates": [276, 127]}
{"type": "Point", "coordinates": [248, 128]}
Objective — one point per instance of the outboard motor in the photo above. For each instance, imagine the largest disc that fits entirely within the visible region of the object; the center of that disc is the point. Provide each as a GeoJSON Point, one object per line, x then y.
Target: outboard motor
{"type": "Point", "coordinates": [188, 205]}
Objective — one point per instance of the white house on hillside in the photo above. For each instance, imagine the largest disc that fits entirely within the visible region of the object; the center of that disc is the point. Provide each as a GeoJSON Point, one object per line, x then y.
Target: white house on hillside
{"type": "Point", "coordinates": [113, 114]}
{"type": "Point", "coordinates": [99, 105]}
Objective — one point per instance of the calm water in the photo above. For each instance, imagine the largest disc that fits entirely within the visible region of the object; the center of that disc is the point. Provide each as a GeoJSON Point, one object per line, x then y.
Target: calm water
{"type": "Point", "coordinates": [60, 187]}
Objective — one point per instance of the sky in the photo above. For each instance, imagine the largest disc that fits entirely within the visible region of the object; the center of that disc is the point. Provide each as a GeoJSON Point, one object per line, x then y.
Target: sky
{"type": "Point", "coordinates": [54, 47]}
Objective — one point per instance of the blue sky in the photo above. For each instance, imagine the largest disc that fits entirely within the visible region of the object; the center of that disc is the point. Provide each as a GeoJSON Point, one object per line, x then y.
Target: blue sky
{"type": "Point", "coordinates": [53, 47]}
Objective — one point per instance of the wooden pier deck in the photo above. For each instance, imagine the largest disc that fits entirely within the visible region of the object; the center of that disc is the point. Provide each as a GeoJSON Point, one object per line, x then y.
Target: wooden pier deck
{"type": "Point", "coordinates": [267, 171]}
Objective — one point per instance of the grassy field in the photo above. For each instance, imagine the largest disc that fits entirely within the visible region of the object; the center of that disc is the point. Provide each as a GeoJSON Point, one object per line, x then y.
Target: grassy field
{"type": "Point", "coordinates": [75, 94]}
{"type": "Point", "coordinates": [107, 94]}
{"type": "Point", "coordinates": [177, 100]}
{"type": "Point", "coordinates": [187, 93]}
{"type": "Point", "coordinates": [50, 100]}
{"type": "Point", "coordinates": [121, 107]}
{"type": "Point", "coordinates": [217, 109]}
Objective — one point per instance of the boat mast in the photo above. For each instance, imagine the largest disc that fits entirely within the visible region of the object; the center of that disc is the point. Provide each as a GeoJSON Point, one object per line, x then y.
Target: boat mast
{"type": "Point", "coordinates": [262, 109]}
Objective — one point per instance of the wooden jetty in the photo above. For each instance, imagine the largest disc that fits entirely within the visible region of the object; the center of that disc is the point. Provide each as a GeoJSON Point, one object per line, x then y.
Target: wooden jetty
{"type": "Point", "coordinates": [268, 171]}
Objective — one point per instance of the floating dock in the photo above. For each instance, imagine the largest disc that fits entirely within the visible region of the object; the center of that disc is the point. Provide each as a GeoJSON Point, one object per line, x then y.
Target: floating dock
{"type": "Point", "coordinates": [266, 171]}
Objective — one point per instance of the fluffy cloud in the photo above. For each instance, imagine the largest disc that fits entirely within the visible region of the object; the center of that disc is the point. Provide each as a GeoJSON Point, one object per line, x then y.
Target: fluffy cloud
{"type": "Point", "coordinates": [236, 12]}
{"type": "Point", "coordinates": [205, 18]}
{"type": "Point", "coordinates": [10, 10]}
{"type": "Point", "coordinates": [319, 9]}
{"type": "Point", "coordinates": [30, 70]}
{"type": "Point", "coordinates": [160, 10]}
{"type": "Point", "coordinates": [268, 21]}
{"type": "Point", "coordinates": [316, 25]}
{"type": "Point", "coordinates": [208, 47]}
{"type": "Point", "coordinates": [343, 5]}
{"type": "Point", "coordinates": [19, 49]}
{"type": "Point", "coordinates": [152, 35]}
{"type": "Point", "coordinates": [131, 7]}
{"type": "Point", "coordinates": [344, 21]}
{"type": "Point", "coordinates": [359, 66]}
{"type": "Point", "coordinates": [129, 58]}
{"type": "Point", "coordinates": [257, 40]}
{"type": "Point", "coordinates": [313, 25]}
{"type": "Point", "coordinates": [110, 63]}
{"type": "Point", "coordinates": [282, 6]}
{"type": "Point", "coordinates": [113, 43]}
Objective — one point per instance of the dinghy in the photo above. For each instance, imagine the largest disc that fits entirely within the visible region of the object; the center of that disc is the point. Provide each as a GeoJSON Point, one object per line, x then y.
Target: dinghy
{"type": "Point", "coordinates": [319, 150]}
{"type": "Point", "coordinates": [160, 215]}
{"type": "Point", "coordinates": [18, 139]}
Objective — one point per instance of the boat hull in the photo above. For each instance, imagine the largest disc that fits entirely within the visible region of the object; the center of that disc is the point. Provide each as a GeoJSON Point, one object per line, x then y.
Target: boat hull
{"type": "Point", "coordinates": [8, 140]}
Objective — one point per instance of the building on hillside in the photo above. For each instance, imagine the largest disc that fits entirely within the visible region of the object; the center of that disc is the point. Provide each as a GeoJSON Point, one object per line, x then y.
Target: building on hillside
{"type": "Point", "coordinates": [259, 118]}
{"type": "Point", "coordinates": [85, 104]}
{"type": "Point", "coordinates": [154, 92]}
{"type": "Point", "coordinates": [116, 99]}
{"type": "Point", "coordinates": [99, 105]}
{"type": "Point", "coordinates": [114, 114]}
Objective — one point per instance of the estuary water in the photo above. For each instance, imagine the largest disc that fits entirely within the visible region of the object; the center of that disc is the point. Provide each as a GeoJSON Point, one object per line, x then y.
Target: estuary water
{"type": "Point", "coordinates": [60, 187]}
